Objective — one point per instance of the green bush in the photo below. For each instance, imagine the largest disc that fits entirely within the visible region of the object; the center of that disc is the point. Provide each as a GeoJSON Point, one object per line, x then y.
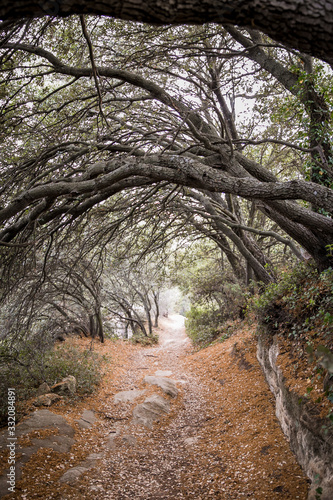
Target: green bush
{"type": "Point", "coordinates": [300, 307]}
{"type": "Point", "coordinates": [143, 340]}
{"type": "Point", "coordinates": [25, 370]}
{"type": "Point", "coordinates": [300, 304]}
{"type": "Point", "coordinates": [86, 366]}
{"type": "Point", "coordinates": [203, 324]}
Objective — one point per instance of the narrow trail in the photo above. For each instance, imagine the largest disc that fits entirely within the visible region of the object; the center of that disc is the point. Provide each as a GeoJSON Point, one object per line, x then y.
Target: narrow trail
{"type": "Point", "coordinates": [155, 467]}
{"type": "Point", "coordinates": [218, 438]}
{"type": "Point", "coordinates": [186, 454]}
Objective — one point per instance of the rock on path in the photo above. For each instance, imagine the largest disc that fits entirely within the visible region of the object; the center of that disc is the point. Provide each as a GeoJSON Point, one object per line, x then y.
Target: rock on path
{"type": "Point", "coordinates": [127, 396]}
{"type": "Point", "coordinates": [167, 385]}
{"type": "Point", "coordinates": [150, 410]}
{"type": "Point", "coordinates": [39, 420]}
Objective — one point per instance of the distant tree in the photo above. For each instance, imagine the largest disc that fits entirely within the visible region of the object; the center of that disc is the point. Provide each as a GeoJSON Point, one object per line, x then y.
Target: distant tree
{"type": "Point", "coordinates": [55, 297]}
{"type": "Point", "coordinates": [132, 281]}
{"type": "Point", "coordinates": [215, 294]}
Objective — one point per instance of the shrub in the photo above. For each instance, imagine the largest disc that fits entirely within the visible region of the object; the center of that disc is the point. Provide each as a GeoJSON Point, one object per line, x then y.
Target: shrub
{"type": "Point", "coordinates": [203, 325]}
{"type": "Point", "coordinates": [86, 366]}
{"type": "Point", "coordinates": [143, 340]}
{"type": "Point", "coordinates": [25, 371]}
{"type": "Point", "coordinates": [300, 305]}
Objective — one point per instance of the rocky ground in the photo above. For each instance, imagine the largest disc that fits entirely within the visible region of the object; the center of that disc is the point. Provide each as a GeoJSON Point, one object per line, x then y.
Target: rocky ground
{"type": "Point", "coordinates": [167, 423]}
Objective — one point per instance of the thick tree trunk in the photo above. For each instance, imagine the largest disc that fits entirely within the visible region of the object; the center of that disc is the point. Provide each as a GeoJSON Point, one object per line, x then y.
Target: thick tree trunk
{"type": "Point", "coordinates": [131, 323]}
{"type": "Point", "coordinates": [157, 308]}
{"type": "Point", "coordinates": [148, 316]}
{"type": "Point", "coordinates": [100, 326]}
{"type": "Point", "coordinates": [314, 242]}
{"type": "Point", "coordinates": [305, 25]}
{"type": "Point", "coordinates": [92, 325]}
{"type": "Point", "coordinates": [147, 307]}
{"type": "Point", "coordinates": [96, 325]}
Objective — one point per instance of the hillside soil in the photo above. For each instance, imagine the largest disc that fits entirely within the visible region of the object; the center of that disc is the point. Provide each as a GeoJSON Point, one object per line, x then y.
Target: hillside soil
{"type": "Point", "coordinates": [220, 439]}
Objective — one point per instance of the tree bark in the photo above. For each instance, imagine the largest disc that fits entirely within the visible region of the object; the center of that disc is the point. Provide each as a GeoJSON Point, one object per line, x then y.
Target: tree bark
{"type": "Point", "coordinates": [304, 25]}
{"type": "Point", "coordinates": [157, 308]}
{"type": "Point", "coordinates": [146, 307]}
{"type": "Point", "coordinates": [100, 325]}
{"type": "Point", "coordinates": [258, 267]}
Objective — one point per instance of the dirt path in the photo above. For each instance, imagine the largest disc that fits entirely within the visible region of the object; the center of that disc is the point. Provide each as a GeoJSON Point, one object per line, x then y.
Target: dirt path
{"type": "Point", "coordinates": [219, 440]}
{"type": "Point", "coordinates": [188, 453]}
{"type": "Point", "coordinates": [155, 467]}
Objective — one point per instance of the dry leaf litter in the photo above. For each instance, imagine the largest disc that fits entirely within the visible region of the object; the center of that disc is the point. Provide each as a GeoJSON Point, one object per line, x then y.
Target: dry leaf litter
{"type": "Point", "coordinates": [220, 439]}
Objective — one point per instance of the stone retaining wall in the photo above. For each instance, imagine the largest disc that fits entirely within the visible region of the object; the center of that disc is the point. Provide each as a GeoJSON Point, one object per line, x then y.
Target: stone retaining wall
{"type": "Point", "coordinates": [307, 433]}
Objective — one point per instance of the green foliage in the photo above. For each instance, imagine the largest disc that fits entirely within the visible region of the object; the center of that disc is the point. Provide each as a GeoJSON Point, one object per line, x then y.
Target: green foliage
{"type": "Point", "coordinates": [86, 366]}
{"type": "Point", "coordinates": [319, 492]}
{"type": "Point", "coordinates": [324, 360]}
{"type": "Point", "coordinates": [324, 357]}
{"type": "Point", "coordinates": [306, 117]}
{"type": "Point", "coordinates": [203, 325]}
{"type": "Point", "coordinates": [300, 304]}
{"type": "Point", "coordinates": [25, 373]}
{"type": "Point", "coordinates": [144, 340]}
{"type": "Point", "coordinates": [329, 249]}
{"type": "Point", "coordinates": [214, 293]}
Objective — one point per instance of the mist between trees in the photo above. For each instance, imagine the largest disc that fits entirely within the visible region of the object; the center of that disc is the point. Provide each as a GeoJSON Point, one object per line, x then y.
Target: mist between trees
{"type": "Point", "coordinates": [125, 171]}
